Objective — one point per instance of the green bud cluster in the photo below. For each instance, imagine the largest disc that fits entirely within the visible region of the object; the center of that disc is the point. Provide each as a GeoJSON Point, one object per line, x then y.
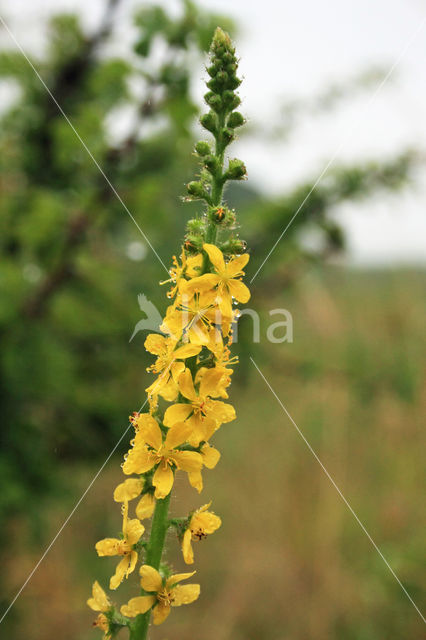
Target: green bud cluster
{"type": "Point", "coordinates": [221, 121]}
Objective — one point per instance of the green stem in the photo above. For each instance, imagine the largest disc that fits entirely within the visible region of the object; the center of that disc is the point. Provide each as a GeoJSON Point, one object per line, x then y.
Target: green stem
{"type": "Point", "coordinates": [160, 524]}
{"type": "Point", "coordinates": [217, 185]}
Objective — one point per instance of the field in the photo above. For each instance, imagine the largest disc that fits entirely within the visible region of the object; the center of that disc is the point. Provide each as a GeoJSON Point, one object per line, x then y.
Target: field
{"type": "Point", "coordinates": [290, 561]}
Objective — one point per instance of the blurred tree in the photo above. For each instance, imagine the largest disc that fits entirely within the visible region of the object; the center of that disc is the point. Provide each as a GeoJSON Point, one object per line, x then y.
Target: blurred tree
{"type": "Point", "coordinates": [70, 255]}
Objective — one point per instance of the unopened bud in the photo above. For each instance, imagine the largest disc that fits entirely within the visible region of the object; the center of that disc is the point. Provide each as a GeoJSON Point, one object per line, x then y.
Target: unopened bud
{"type": "Point", "coordinates": [196, 189]}
{"type": "Point", "coordinates": [236, 119]}
{"type": "Point", "coordinates": [203, 148]}
{"type": "Point", "coordinates": [236, 170]}
{"type": "Point", "coordinates": [209, 121]}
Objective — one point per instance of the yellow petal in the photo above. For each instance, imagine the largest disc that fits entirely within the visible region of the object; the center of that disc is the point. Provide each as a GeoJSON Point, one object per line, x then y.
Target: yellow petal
{"type": "Point", "coordinates": [150, 578]}
{"type": "Point", "coordinates": [188, 460]}
{"type": "Point", "coordinates": [139, 460]}
{"type": "Point", "coordinates": [160, 613]}
{"type": "Point", "coordinates": [107, 547]}
{"type": "Point", "coordinates": [196, 480]}
{"type": "Point", "coordinates": [176, 413]}
{"type": "Point", "coordinates": [221, 412]}
{"type": "Point", "coordinates": [128, 490]}
{"type": "Point", "coordinates": [203, 283]}
{"type": "Point", "coordinates": [187, 351]}
{"type": "Point", "coordinates": [178, 577]}
{"type": "Point", "coordinates": [177, 435]}
{"type": "Point", "coordinates": [134, 530]}
{"type": "Point", "coordinates": [145, 506]}
{"type": "Point", "coordinates": [99, 601]}
{"type": "Point", "coordinates": [162, 481]}
{"type": "Point", "coordinates": [151, 433]}
{"type": "Point", "coordinates": [119, 574]}
{"type": "Point", "coordinates": [210, 382]}
{"type": "Point", "coordinates": [206, 521]}
{"type": "Point", "coordinates": [239, 290]}
{"type": "Point", "coordinates": [138, 605]}
{"type": "Point", "coordinates": [236, 265]}
{"type": "Point", "coordinates": [216, 257]}
{"type": "Point", "coordinates": [186, 385]}
{"type": "Point", "coordinates": [187, 552]}
{"type": "Point", "coordinates": [156, 344]}
{"type": "Point", "coordinates": [211, 456]}
{"type": "Point", "coordinates": [185, 594]}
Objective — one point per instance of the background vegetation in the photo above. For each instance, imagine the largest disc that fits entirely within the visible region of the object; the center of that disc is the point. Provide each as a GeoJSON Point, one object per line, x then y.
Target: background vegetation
{"type": "Point", "coordinates": [289, 561]}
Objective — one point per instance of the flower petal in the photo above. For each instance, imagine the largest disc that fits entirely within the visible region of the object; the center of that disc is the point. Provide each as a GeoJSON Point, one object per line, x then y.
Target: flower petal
{"type": "Point", "coordinates": [120, 572]}
{"type": "Point", "coordinates": [207, 521]}
{"type": "Point", "coordinates": [211, 456]}
{"type": "Point", "coordinates": [160, 613]}
{"type": "Point", "coordinates": [187, 552]}
{"type": "Point", "coordinates": [139, 460]}
{"type": "Point", "coordinates": [185, 594]}
{"type": "Point", "coordinates": [239, 290]}
{"type": "Point", "coordinates": [151, 432]}
{"type": "Point", "coordinates": [236, 265]}
{"type": "Point", "coordinates": [150, 578]}
{"type": "Point", "coordinates": [187, 351]}
{"type": "Point", "coordinates": [186, 385]}
{"type": "Point", "coordinates": [188, 460]}
{"type": "Point", "coordinates": [145, 506]}
{"type": "Point", "coordinates": [138, 605]}
{"type": "Point", "coordinates": [163, 481]}
{"type": "Point", "coordinates": [176, 413]}
{"type": "Point", "coordinates": [177, 434]}
{"type": "Point", "coordinates": [156, 343]}
{"type": "Point", "coordinates": [107, 547]}
{"type": "Point", "coordinates": [128, 490]}
{"type": "Point", "coordinates": [210, 382]}
{"type": "Point", "coordinates": [99, 601]}
{"type": "Point", "coordinates": [196, 480]}
{"type": "Point", "coordinates": [134, 530]}
{"type": "Point", "coordinates": [215, 256]}
{"type": "Point", "coordinates": [178, 577]}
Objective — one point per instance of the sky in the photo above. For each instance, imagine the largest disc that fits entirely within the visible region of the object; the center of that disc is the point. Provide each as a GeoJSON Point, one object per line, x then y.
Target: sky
{"type": "Point", "coordinates": [291, 51]}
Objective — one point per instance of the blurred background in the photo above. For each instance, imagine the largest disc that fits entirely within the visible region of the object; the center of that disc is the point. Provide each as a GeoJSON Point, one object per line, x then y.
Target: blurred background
{"type": "Point", "coordinates": [290, 562]}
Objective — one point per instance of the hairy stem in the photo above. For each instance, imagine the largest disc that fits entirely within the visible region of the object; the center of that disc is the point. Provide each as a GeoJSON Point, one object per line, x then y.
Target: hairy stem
{"type": "Point", "coordinates": [160, 524]}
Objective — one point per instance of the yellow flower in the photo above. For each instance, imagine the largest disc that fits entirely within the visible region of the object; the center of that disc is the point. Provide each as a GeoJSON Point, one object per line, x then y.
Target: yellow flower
{"type": "Point", "coordinates": [165, 594]}
{"type": "Point", "coordinates": [201, 412]}
{"type": "Point", "coordinates": [226, 279]}
{"type": "Point", "coordinates": [132, 531]}
{"type": "Point", "coordinates": [189, 267]}
{"type": "Point", "coordinates": [132, 488]}
{"type": "Point", "coordinates": [210, 457]}
{"type": "Point", "coordinates": [100, 602]}
{"type": "Point", "coordinates": [201, 524]}
{"type": "Point", "coordinates": [192, 317]}
{"type": "Point", "coordinates": [167, 365]}
{"type": "Point", "coordinates": [149, 451]}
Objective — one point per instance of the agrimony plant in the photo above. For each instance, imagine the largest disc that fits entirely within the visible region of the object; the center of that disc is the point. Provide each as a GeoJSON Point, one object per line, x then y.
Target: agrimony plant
{"type": "Point", "coordinates": [193, 369]}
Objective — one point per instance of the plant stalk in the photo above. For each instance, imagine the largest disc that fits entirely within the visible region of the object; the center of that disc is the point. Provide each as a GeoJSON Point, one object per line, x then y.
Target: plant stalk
{"type": "Point", "coordinates": [160, 525]}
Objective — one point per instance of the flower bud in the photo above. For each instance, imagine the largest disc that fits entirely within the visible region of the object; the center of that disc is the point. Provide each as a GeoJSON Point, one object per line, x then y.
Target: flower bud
{"type": "Point", "coordinates": [209, 121]}
{"type": "Point", "coordinates": [236, 170]}
{"type": "Point", "coordinates": [230, 100]}
{"type": "Point", "coordinates": [196, 189]}
{"type": "Point", "coordinates": [213, 100]}
{"type": "Point", "coordinates": [211, 163]}
{"type": "Point", "coordinates": [236, 119]}
{"type": "Point", "coordinates": [234, 245]}
{"type": "Point", "coordinates": [227, 135]}
{"type": "Point", "coordinates": [203, 148]}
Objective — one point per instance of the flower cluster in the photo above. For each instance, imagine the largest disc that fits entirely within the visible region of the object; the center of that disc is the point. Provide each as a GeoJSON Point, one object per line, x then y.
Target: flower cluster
{"type": "Point", "coordinates": [187, 399]}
